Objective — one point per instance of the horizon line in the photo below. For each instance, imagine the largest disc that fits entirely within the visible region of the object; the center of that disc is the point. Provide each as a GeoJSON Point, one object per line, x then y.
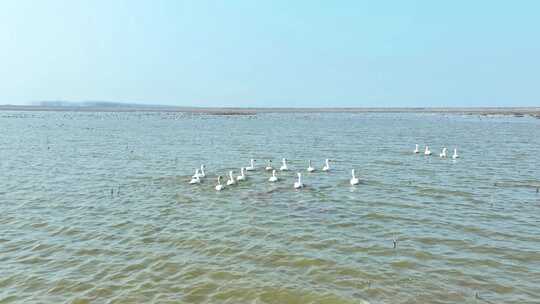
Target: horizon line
{"type": "Point", "coordinates": [119, 107]}
{"type": "Point", "coordinates": [125, 104]}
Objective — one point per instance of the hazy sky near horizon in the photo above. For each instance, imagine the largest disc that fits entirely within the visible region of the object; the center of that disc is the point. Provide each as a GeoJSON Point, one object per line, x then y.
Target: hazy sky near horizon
{"type": "Point", "coordinates": [272, 53]}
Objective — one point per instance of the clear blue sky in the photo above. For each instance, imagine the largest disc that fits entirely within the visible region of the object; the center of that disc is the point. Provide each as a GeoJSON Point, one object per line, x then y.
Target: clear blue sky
{"type": "Point", "coordinates": [272, 53]}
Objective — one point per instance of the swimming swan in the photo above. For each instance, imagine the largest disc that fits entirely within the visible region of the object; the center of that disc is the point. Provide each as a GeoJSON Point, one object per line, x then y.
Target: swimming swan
{"type": "Point", "coordinates": [427, 151]}
{"type": "Point", "coordinates": [202, 171]}
{"type": "Point", "coordinates": [298, 184]}
{"type": "Point", "coordinates": [241, 177]}
{"type": "Point", "coordinates": [195, 178]}
{"type": "Point", "coordinates": [326, 165]}
{"type": "Point", "coordinates": [273, 178]}
{"type": "Point", "coordinates": [455, 155]}
{"type": "Point", "coordinates": [219, 186]}
{"type": "Point", "coordinates": [284, 166]}
{"type": "Point", "coordinates": [354, 179]}
{"type": "Point", "coordinates": [252, 166]}
{"type": "Point", "coordinates": [269, 166]}
{"type": "Point", "coordinates": [231, 180]}
{"type": "Point", "coordinates": [310, 168]}
{"type": "Point", "coordinates": [416, 150]}
{"type": "Point", "coordinates": [443, 153]}
{"type": "Point", "coordinates": [197, 174]}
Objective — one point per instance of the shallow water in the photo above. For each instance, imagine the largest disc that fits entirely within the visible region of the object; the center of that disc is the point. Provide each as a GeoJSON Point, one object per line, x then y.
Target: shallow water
{"type": "Point", "coordinates": [95, 207]}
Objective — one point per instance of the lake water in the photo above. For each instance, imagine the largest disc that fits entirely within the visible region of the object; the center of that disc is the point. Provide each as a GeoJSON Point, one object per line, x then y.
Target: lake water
{"type": "Point", "coordinates": [96, 207]}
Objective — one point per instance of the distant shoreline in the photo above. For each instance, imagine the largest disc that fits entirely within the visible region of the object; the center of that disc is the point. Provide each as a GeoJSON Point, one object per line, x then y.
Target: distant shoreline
{"type": "Point", "coordinates": [512, 111]}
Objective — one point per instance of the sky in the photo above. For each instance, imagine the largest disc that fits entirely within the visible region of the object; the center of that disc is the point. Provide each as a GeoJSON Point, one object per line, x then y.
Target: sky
{"type": "Point", "coordinates": [272, 53]}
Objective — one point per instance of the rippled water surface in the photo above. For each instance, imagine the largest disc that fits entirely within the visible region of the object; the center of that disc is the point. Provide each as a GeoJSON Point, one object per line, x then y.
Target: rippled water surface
{"type": "Point", "coordinates": [95, 207]}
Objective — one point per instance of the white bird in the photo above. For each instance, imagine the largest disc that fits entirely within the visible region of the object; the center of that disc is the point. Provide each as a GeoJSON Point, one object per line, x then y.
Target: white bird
{"type": "Point", "coordinates": [241, 177]}
{"type": "Point", "coordinates": [427, 151]}
{"type": "Point", "coordinates": [310, 168]}
{"type": "Point", "coordinates": [354, 179]}
{"type": "Point", "coordinates": [202, 171]}
{"type": "Point", "coordinates": [284, 165]}
{"type": "Point", "coordinates": [273, 178]}
{"type": "Point", "coordinates": [252, 166]}
{"type": "Point", "coordinates": [326, 165]}
{"type": "Point", "coordinates": [269, 166]}
{"type": "Point", "coordinates": [195, 179]}
{"type": "Point", "coordinates": [443, 153]}
{"type": "Point", "coordinates": [298, 184]}
{"type": "Point", "coordinates": [416, 150]}
{"type": "Point", "coordinates": [231, 180]}
{"type": "Point", "coordinates": [455, 155]}
{"type": "Point", "coordinates": [219, 186]}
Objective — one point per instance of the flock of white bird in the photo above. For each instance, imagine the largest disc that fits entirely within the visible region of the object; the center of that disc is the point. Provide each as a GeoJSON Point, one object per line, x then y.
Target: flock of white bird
{"type": "Point", "coordinates": [443, 154]}
{"type": "Point", "coordinates": [298, 184]}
